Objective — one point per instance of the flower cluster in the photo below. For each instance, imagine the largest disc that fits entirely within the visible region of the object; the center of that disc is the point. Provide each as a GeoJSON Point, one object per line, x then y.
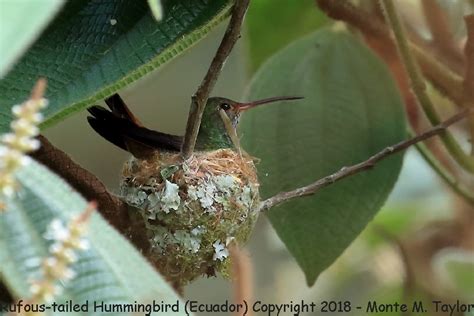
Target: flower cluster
{"type": "Point", "coordinates": [14, 145]}
{"type": "Point", "coordinates": [66, 241]}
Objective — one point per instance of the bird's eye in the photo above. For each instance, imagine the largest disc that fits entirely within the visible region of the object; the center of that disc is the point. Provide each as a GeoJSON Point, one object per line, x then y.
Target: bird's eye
{"type": "Point", "coordinates": [225, 106]}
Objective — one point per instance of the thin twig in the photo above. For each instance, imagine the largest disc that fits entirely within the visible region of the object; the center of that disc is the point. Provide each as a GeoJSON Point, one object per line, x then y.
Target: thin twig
{"type": "Point", "coordinates": [378, 37]}
{"type": "Point", "coordinates": [468, 83]}
{"type": "Point", "coordinates": [199, 99]}
{"type": "Point", "coordinates": [438, 74]}
{"type": "Point", "coordinates": [417, 81]}
{"type": "Point", "coordinates": [368, 164]}
{"type": "Point", "coordinates": [410, 281]}
{"type": "Point", "coordinates": [444, 174]}
{"type": "Point", "coordinates": [419, 87]}
{"type": "Point", "coordinates": [242, 277]}
{"type": "Point", "coordinates": [443, 38]}
{"type": "Point", "coordinates": [441, 77]}
{"type": "Point", "coordinates": [469, 53]}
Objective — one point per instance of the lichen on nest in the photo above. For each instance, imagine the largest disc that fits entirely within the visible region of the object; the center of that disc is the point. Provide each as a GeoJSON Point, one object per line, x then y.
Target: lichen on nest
{"type": "Point", "coordinates": [194, 209]}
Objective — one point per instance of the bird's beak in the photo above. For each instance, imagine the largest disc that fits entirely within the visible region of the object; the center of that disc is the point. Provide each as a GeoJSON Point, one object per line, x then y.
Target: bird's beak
{"type": "Point", "coordinates": [250, 105]}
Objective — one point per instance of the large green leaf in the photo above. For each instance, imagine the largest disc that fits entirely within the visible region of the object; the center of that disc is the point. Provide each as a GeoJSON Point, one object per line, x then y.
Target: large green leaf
{"type": "Point", "coordinates": [95, 47]}
{"type": "Point", "coordinates": [272, 24]}
{"type": "Point", "coordinates": [111, 270]}
{"type": "Point", "coordinates": [351, 110]}
{"type": "Point", "coordinates": [20, 23]}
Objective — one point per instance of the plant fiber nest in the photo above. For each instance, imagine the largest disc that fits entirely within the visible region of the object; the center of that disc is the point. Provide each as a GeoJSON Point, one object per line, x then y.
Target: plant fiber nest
{"type": "Point", "coordinates": [193, 210]}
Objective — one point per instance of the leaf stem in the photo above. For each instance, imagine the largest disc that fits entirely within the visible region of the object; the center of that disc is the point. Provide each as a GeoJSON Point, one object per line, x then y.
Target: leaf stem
{"type": "Point", "coordinates": [468, 83]}
{"type": "Point", "coordinates": [242, 275]}
{"type": "Point", "coordinates": [368, 164]}
{"type": "Point", "coordinates": [438, 74]}
{"type": "Point", "coordinates": [199, 100]}
{"type": "Point", "coordinates": [444, 174]}
{"type": "Point", "coordinates": [419, 86]}
{"type": "Point", "coordinates": [443, 39]}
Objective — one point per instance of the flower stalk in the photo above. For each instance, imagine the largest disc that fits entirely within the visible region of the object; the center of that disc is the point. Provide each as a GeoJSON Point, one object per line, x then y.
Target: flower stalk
{"type": "Point", "coordinates": [67, 241]}
{"type": "Point", "coordinates": [21, 140]}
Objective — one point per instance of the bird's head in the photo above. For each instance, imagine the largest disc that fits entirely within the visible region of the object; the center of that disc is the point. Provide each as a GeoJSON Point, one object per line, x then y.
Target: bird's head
{"type": "Point", "coordinates": [213, 132]}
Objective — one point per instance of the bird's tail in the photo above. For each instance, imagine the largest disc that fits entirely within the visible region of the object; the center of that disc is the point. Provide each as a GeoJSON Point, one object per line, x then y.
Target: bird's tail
{"type": "Point", "coordinates": [120, 127]}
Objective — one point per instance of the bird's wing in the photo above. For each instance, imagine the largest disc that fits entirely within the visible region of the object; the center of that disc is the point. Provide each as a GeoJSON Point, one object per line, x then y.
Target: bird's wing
{"type": "Point", "coordinates": [126, 134]}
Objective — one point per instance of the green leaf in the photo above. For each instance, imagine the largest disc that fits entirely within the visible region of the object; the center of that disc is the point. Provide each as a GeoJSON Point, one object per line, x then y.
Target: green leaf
{"type": "Point", "coordinates": [20, 23]}
{"type": "Point", "coordinates": [94, 48]}
{"type": "Point", "coordinates": [352, 109]}
{"type": "Point", "coordinates": [272, 24]}
{"type": "Point", "coordinates": [111, 270]}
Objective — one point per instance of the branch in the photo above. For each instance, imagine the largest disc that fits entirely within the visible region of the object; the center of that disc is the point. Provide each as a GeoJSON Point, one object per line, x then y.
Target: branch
{"type": "Point", "coordinates": [410, 280]}
{"type": "Point", "coordinates": [468, 83]}
{"type": "Point", "coordinates": [469, 53]}
{"type": "Point", "coordinates": [443, 38]}
{"type": "Point", "coordinates": [443, 79]}
{"type": "Point", "coordinates": [419, 87]}
{"type": "Point", "coordinates": [368, 164]}
{"type": "Point", "coordinates": [111, 207]}
{"type": "Point", "coordinates": [438, 74]}
{"type": "Point", "coordinates": [199, 99]}
{"type": "Point", "coordinates": [378, 37]}
{"type": "Point", "coordinates": [242, 276]}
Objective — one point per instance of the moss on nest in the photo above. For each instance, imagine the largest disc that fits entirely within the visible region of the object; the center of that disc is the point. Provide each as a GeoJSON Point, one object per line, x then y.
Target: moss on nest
{"type": "Point", "coordinates": [193, 210]}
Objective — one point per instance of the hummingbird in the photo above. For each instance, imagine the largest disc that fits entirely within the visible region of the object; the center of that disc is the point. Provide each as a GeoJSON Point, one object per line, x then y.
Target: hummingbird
{"type": "Point", "coordinates": [123, 129]}
{"type": "Point", "coordinates": [190, 215]}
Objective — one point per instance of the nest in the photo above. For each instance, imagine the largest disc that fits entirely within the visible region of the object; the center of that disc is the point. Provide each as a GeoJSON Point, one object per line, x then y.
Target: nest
{"type": "Point", "coordinates": [193, 210]}
{"type": "Point", "coordinates": [201, 164]}
{"type": "Point", "coordinates": [222, 162]}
